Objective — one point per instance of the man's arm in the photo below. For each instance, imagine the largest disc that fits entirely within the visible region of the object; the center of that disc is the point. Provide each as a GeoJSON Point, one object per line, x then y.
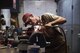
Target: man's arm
{"type": "Point", "coordinates": [57, 21]}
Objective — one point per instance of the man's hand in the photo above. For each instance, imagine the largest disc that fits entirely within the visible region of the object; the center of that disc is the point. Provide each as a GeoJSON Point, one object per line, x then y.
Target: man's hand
{"type": "Point", "coordinates": [49, 24]}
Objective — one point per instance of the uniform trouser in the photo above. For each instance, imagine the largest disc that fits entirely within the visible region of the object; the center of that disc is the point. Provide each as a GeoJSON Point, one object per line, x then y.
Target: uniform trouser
{"type": "Point", "coordinates": [61, 49]}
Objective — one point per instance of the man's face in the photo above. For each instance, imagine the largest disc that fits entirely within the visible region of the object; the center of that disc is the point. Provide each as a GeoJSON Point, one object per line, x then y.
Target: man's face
{"type": "Point", "coordinates": [31, 20]}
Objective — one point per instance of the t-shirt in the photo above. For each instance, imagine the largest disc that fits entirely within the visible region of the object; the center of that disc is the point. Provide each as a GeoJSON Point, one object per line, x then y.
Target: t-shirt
{"type": "Point", "coordinates": [50, 15]}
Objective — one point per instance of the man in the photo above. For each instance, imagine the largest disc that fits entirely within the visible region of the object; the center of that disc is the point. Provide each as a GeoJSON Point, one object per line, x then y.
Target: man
{"type": "Point", "coordinates": [28, 18]}
{"type": "Point", "coordinates": [51, 30]}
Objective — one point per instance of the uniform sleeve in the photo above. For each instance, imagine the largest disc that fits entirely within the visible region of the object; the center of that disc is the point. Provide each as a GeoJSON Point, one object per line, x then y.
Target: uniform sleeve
{"type": "Point", "coordinates": [53, 16]}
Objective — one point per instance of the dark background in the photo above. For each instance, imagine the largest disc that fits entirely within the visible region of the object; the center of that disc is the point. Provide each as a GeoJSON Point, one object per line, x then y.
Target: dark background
{"type": "Point", "coordinates": [6, 4]}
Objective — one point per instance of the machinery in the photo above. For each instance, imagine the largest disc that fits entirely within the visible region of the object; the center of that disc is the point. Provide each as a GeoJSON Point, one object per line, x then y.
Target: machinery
{"type": "Point", "coordinates": [26, 42]}
{"type": "Point", "coordinates": [36, 42]}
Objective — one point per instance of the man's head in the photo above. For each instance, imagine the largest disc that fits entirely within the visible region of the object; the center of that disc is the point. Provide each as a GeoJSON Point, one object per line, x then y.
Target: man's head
{"type": "Point", "coordinates": [29, 18]}
{"type": "Point", "coordinates": [26, 16]}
